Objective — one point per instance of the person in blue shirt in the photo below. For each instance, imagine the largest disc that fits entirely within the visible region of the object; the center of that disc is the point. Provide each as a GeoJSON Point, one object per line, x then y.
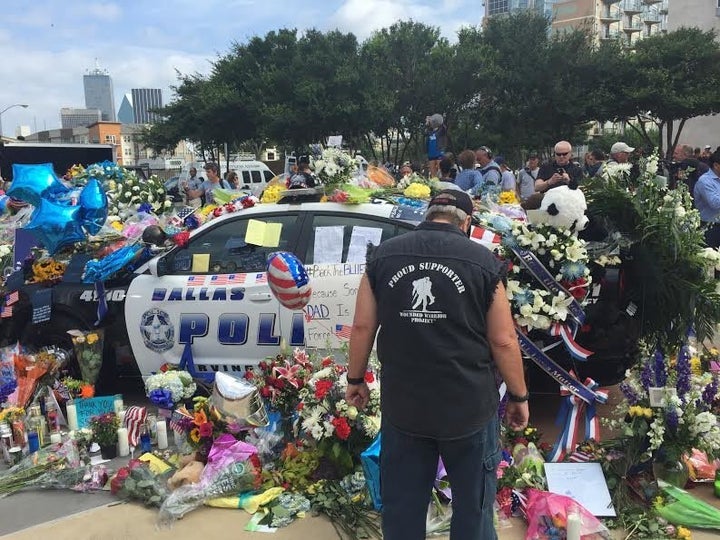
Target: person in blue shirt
{"type": "Point", "coordinates": [437, 142]}
{"type": "Point", "coordinates": [469, 178]}
{"type": "Point", "coordinates": [707, 200]}
{"type": "Point", "coordinates": [212, 183]}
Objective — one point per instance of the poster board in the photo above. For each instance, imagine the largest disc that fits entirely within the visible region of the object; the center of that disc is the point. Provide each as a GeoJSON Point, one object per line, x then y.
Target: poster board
{"type": "Point", "coordinates": [332, 303]}
{"type": "Point", "coordinates": [89, 407]}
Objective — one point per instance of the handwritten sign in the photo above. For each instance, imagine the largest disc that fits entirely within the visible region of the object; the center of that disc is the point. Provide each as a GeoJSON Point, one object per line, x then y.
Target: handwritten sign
{"type": "Point", "coordinates": [87, 408]}
{"type": "Point", "coordinates": [584, 482]}
{"type": "Point", "coordinates": [41, 305]}
{"type": "Point", "coordinates": [332, 303]}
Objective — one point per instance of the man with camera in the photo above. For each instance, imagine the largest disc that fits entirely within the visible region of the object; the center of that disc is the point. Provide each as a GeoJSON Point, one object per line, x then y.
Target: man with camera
{"type": "Point", "coordinates": [561, 171]}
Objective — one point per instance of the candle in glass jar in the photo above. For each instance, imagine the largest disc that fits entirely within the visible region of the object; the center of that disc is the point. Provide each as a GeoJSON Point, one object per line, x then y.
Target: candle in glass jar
{"type": "Point", "coordinates": [118, 404]}
{"type": "Point", "coordinates": [55, 438]}
{"type": "Point", "coordinates": [162, 438]}
{"type": "Point", "coordinates": [123, 444]}
{"type": "Point", "coordinates": [72, 417]}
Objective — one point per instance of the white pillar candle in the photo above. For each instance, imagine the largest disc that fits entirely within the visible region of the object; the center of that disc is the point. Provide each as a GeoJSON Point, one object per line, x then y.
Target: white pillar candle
{"type": "Point", "coordinates": [118, 404]}
{"type": "Point", "coordinates": [55, 438]}
{"type": "Point", "coordinates": [574, 526]}
{"type": "Point", "coordinates": [72, 416]}
{"type": "Point", "coordinates": [123, 444]}
{"type": "Point", "coordinates": [162, 438]}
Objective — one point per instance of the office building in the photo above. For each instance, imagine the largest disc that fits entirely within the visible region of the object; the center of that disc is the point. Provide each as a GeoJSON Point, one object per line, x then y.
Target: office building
{"type": "Point", "coordinates": [126, 114]}
{"type": "Point", "coordinates": [705, 14]}
{"type": "Point", "coordinates": [99, 93]}
{"type": "Point", "coordinates": [143, 101]}
{"type": "Point", "coordinates": [72, 118]}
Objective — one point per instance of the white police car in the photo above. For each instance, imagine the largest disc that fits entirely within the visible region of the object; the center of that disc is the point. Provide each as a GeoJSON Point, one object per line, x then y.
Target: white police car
{"type": "Point", "coordinates": [211, 298]}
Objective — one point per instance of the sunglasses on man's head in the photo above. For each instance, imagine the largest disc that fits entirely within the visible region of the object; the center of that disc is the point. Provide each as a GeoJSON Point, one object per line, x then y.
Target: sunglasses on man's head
{"type": "Point", "coordinates": [561, 153]}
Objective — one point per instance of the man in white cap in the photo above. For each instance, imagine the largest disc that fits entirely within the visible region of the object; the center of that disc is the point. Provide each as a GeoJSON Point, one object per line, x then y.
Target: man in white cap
{"type": "Point", "coordinates": [620, 152]}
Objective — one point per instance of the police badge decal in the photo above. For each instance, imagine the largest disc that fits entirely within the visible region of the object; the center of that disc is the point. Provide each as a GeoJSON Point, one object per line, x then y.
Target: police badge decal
{"type": "Point", "coordinates": [157, 331]}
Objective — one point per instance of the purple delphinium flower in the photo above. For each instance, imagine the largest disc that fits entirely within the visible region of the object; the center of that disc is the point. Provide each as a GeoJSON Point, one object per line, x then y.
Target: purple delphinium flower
{"type": "Point", "coordinates": [660, 372]}
{"type": "Point", "coordinates": [672, 420]}
{"type": "Point", "coordinates": [629, 393]}
{"type": "Point", "coordinates": [683, 373]}
{"type": "Point", "coordinates": [646, 375]}
{"type": "Point", "coordinates": [710, 392]}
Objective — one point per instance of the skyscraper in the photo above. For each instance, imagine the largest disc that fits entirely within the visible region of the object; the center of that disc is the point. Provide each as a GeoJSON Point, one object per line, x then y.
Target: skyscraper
{"type": "Point", "coordinates": [143, 100]}
{"type": "Point", "coordinates": [72, 118]}
{"type": "Point", "coordinates": [126, 114]}
{"type": "Point", "coordinates": [99, 93]}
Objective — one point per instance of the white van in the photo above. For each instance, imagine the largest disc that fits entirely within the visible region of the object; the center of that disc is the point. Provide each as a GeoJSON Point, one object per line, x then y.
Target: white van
{"type": "Point", "coordinates": [253, 175]}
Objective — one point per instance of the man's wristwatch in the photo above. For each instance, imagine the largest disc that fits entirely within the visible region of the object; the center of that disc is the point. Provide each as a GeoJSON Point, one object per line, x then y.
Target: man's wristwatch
{"type": "Point", "coordinates": [515, 399]}
{"type": "Point", "coordinates": [355, 380]}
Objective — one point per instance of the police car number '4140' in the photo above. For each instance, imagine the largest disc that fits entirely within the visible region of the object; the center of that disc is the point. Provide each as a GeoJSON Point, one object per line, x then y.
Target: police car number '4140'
{"type": "Point", "coordinates": [110, 296]}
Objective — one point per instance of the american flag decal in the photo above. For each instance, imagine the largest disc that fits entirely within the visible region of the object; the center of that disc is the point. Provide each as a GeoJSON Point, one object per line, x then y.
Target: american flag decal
{"type": "Point", "coordinates": [343, 330]}
{"type": "Point", "coordinates": [6, 312]}
{"type": "Point", "coordinates": [260, 279]}
{"type": "Point", "coordinates": [228, 279]}
{"type": "Point", "coordinates": [196, 280]}
{"type": "Point", "coordinates": [11, 298]}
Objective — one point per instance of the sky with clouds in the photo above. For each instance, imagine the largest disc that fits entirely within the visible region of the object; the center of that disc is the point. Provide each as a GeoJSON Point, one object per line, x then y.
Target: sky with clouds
{"type": "Point", "coordinates": [47, 45]}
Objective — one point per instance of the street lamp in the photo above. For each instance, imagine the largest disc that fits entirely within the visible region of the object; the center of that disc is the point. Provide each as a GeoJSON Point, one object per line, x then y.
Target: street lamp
{"type": "Point", "coordinates": [7, 109]}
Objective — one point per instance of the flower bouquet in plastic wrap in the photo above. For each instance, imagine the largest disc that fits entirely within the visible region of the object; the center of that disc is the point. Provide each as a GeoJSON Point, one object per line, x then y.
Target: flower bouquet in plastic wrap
{"type": "Point", "coordinates": [681, 508]}
{"type": "Point", "coordinates": [229, 471]}
{"type": "Point", "coordinates": [88, 348]}
{"type": "Point", "coordinates": [169, 388]}
{"type": "Point", "coordinates": [57, 465]}
{"type": "Point", "coordinates": [29, 369]}
{"type": "Point", "coordinates": [554, 517]}
{"type": "Point", "coordinates": [137, 482]}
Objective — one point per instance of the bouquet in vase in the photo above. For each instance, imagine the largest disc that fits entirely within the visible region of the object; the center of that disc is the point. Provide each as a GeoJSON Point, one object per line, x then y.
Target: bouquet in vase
{"type": "Point", "coordinates": [669, 408]}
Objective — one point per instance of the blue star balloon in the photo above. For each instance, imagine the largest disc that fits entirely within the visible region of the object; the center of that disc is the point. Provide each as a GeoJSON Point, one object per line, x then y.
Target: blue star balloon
{"type": "Point", "coordinates": [33, 182]}
{"type": "Point", "coordinates": [93, 206]}
{"type": "Point", "coordinates": [56, 225]}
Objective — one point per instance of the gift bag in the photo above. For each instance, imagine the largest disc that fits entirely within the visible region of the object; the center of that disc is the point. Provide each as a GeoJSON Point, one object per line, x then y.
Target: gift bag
{"type": "Point", "coordinates": [370, 459]}
{"type": "Point", "coordinates": [551, 516]}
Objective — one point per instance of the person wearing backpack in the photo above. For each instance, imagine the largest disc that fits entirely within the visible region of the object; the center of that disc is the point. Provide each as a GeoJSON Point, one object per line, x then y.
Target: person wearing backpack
{"type": "Point", "coordinates": [212, 183]}
{"type": "Point", "coordinates": [490, 171]}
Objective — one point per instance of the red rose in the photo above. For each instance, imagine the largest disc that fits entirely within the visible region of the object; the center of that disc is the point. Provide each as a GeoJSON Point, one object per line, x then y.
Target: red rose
{"type": "Point", "coordinates": [342, 429]}
{"type": "Point", "coordinates": [369, 377]}
{"type": "Point", "coordinates": [247, 202]}
{"type": "Point", "coordinates": [265, 392]}
{"type": "Point", "coordinates": [300, 406]}
{"type": "Point", "coordinates": [279, 384]}
{"type": "Point", "coordinates": [206, 430]}
{"type": "Point", "coordinates": [263, 365]}
{"type": "Point", "coordinates": [327, 361]}
{"type": "Point", "coordinates": [118, 482]}
{"type": "Point", "coordinates": [249, 375]}
{"type": "Point", "coordinates": [322, 388]}
{"type": "Point", "coordinates": [218, 211]}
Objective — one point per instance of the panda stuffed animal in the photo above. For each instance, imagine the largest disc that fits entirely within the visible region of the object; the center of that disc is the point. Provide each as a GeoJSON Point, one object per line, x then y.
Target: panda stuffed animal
{"type": "Point", "coordinates": [562, 207]}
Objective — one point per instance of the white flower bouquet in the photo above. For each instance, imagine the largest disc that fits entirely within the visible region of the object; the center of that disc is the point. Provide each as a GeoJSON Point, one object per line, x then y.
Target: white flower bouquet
{"type": "Point", "coordinates": [333, 166]}
{"type": "Point", "coordinates": [169, 388]}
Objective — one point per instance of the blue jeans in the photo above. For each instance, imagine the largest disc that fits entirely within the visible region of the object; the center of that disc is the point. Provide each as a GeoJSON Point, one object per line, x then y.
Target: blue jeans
{"type": "Point", "coordinates": [408, 465]}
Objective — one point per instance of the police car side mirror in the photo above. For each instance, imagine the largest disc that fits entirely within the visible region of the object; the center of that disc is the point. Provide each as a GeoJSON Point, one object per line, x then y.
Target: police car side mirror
{"type": "Point", "coordinates": [158, 266]}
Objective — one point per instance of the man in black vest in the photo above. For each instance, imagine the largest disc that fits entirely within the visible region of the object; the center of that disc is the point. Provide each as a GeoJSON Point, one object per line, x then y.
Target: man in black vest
{"type": "Point", "coordinates": [445, 325]}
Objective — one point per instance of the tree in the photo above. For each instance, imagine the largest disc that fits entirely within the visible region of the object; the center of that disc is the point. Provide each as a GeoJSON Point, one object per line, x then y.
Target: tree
{"type": "Point", "coordinates": [666, 80]}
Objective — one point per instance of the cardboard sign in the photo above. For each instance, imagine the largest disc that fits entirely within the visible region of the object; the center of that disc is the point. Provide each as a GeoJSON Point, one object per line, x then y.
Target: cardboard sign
{"type": "Point", "coordinates": [41, 304]}
{"type": "Point", "coordinates": [89, 407]}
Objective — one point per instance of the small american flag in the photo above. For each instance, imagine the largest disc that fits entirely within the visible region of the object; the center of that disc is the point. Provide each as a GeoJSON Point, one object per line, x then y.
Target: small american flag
{"type": "Point", "coordinates": [228, 279]}
{"type": "Point", "coordinates": [196, 280]}
{"type": "Point", "coordinates": [579, 457]}
{"type": "Point", "coordinates": [260, 279]}
{"type": "Point", "coordinates": [185, 212]}
{"type": "Point", "coordinates": [11, 298]}
{"type": "Point", "coordinates": [6, 312]}
{"type": "Point", "coordinates": [343, 330]}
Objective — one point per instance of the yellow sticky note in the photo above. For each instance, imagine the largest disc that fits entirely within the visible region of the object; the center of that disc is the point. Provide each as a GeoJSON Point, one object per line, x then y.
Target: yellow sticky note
{"type": "Point", "coordinates": [201, 262]}
{"type": "Point", "coordinates": [263, 234]}
{"type": "Point", "coordinates": [272, 234]}
{"type": "Point", "coordinates": [255, 232]}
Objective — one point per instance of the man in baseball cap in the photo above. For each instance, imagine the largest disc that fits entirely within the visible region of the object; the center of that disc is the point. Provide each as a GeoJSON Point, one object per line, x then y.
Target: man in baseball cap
{"type": "Point", "coordinates": [620, 152]}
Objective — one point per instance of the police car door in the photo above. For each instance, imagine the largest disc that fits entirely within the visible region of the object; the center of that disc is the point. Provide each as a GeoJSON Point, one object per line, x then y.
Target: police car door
{"type": "Point", "coordinates": [213, 298]}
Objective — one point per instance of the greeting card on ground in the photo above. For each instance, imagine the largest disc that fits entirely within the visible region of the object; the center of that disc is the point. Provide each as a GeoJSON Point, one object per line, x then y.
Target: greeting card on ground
{"type": "Point", "coordinates": [584, 482]}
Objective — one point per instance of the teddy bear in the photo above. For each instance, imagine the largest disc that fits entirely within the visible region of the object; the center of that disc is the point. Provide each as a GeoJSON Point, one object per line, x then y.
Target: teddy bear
{"type": "Point", "coordinates": [562, 207]}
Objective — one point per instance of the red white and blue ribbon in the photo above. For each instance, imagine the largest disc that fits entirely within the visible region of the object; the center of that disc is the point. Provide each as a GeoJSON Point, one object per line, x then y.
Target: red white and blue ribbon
{"type": "Point", "coordinates": [573, 413]}
{"type": "Point", "coordinates": [568, 336]}
{"type": "Point", "coordinates": [547, 280]}
{"type": "Point", "coordinates": [549, 366]}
